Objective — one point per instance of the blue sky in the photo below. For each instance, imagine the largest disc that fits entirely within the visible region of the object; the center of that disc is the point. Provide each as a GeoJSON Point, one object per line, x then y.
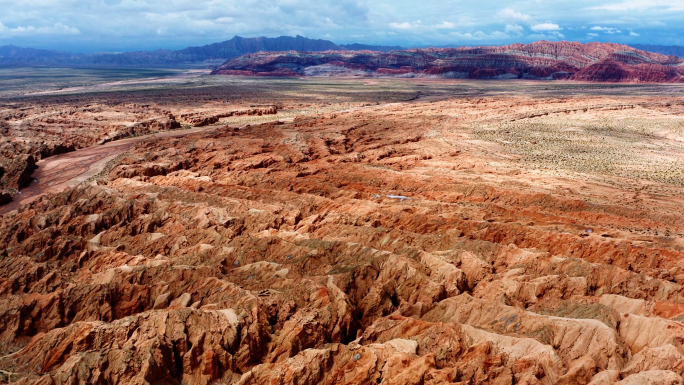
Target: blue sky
{"type": "Point", "coordinates": [123, 25]}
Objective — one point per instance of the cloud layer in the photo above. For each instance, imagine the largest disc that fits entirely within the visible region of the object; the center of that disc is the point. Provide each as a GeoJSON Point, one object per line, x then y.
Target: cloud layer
{"type": "Point", "coordinates": [117, 25]}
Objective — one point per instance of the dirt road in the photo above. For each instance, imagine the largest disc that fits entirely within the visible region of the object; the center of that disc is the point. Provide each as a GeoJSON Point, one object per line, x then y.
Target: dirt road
{"type": "Point", "coordinates": [57, 173]}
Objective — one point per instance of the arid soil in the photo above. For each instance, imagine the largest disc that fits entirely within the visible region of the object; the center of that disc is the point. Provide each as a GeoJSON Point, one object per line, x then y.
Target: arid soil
{"type": "Point", "coordinates": [35, 128]}
{"type": "Point", "coordinates": [507, 236]}
{"type": "Point", "coordinates": [57, 173]}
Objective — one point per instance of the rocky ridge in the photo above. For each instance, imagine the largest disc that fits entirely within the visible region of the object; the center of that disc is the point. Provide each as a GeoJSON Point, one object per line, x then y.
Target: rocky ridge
{"type": "Point", "coordinates": [592, 62]}
{"type": "Point", "coordinates": [381, 245]}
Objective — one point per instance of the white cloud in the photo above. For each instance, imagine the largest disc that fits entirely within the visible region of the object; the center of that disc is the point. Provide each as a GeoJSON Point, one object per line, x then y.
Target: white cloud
{"type": "Point", "coordinates": [631, 5]}
{"type": "Point", "coordinates": [405, 25]}
{"type": "Point", "coordinates": [553, 35]}
{"type": "Point", "coordinates": [418, 26]}
{"type": "Point", "coordinates": [543, 27]}
{"type": "Point", "coordinates": [445, 25]}
{"type": "Point", "coordinates": [120, 25]}
{"type": "Point", "coordinates": [592, 34]}
{"type": "Point", "coordinates": [510, 14]}
{"type": "Point", "coordinates": [480, 36]}
{"type": "Point", "coordinates": [632, 33]}
{"type": "Point", "coordinates": [225, 20]}
{"type": "Point", "coordinates": [470, 36]}
{"type": "Point", "coordinates": [608, 30]}
{"type": "Point", "coordinates": [514, 29]}
{"type": "Point", "coordinates": [56, 29]}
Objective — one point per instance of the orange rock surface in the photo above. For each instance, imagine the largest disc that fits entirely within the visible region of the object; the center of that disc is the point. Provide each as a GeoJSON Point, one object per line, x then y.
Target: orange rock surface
{"type": "Point", "coordinates": [503, 239]}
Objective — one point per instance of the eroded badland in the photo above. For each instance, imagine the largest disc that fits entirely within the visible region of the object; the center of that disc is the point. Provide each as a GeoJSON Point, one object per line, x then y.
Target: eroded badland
{"type": "Point", "coordinates": [361, 232]}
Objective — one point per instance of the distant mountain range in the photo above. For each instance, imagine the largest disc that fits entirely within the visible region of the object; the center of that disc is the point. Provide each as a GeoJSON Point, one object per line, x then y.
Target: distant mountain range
{"type": "Point", "coordinates": [212, 55]}
{"type": "Point", "coordinates": [592, 62]}
{"type": "Point", "coordinates": [10, 54]}
{"type": "Point", "coordinates": [673, 50]}
{"type": "Point", "coordinates": [205, 56]}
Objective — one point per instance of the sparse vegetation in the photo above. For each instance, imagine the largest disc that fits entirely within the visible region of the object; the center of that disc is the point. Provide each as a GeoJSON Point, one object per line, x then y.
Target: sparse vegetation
{"type": "Point", "coordinates": [638, 144]}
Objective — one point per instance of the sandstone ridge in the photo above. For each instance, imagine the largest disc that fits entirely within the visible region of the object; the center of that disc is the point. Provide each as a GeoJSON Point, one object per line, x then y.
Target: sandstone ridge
{"type": "Point", "coordinates": [592, 62]}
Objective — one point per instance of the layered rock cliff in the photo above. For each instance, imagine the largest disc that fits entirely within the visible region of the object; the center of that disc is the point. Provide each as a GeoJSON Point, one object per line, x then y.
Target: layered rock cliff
{"type": "Point", "coordinates": [593, 62]}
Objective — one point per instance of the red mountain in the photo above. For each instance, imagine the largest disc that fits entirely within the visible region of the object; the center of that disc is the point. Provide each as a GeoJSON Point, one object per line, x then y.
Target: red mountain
{"type": "Point", "coordinates": [594, 62]}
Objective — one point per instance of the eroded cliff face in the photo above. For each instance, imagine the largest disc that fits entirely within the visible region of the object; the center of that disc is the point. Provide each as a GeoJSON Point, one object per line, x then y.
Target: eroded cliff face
{"type": "Point", "coordinates": [43, 127]}
{"type": "Point", "coordinates": [382, 245]}
{"type": "Point", "coordinates": [593, 62]}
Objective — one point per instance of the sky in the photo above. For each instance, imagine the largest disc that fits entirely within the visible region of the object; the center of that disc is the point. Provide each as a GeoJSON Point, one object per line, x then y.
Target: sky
{"type": "Point", "coordinates": [128, 25]}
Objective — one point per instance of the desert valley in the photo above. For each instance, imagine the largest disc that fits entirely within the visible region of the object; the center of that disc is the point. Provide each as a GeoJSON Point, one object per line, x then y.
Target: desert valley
{"type": "Point", "coordinates": [348, 217]}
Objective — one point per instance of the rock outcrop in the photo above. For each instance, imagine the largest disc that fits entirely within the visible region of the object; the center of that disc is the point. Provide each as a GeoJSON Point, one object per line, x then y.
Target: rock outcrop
{"type": "Point", "coordinates": [203, 119]}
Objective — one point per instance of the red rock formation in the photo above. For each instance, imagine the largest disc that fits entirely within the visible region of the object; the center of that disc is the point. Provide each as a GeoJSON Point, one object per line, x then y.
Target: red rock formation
{"type": "Point", "coordinates": [374, 245]}
{"type": "Point", "coordinates": [593, 62]}
{"type": "Point", "coordinates": [203, 119]}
